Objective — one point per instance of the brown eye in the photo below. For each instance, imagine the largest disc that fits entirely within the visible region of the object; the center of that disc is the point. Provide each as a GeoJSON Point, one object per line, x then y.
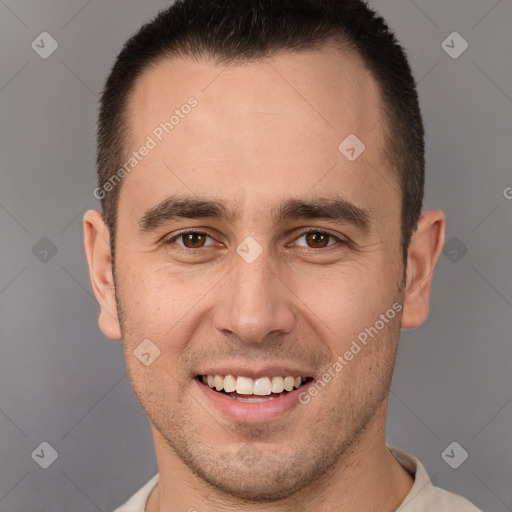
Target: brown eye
{"type": "Point", "coordinates": [194, 240]}
{"type": "Point", "coordinates": [317, 239]}
{"type": "Point", "coordinates": [190, 240]}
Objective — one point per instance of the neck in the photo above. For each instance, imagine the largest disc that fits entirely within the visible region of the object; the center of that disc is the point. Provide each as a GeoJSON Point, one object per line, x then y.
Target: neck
{"type": "Point", "coordinates": [367, 477]}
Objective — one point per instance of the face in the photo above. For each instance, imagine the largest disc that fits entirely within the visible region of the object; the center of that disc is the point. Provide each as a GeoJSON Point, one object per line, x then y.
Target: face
{"type": "Point", "coordinates": [295, 255]}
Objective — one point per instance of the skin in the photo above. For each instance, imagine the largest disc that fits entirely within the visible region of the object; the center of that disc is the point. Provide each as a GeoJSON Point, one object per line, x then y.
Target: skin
{"type": "Point", "coordinates": [264, 132]}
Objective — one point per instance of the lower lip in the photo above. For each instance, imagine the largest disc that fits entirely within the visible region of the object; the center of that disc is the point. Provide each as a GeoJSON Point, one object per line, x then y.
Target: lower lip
{"type": "Point", "coordinates": [252, 412]}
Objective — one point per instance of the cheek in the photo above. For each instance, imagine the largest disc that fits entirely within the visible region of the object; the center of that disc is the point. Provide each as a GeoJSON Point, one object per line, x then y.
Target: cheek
{"type": "Point", "coordinates": [344, 301]}
{"type": "Point", "coordinates": [157, 299]}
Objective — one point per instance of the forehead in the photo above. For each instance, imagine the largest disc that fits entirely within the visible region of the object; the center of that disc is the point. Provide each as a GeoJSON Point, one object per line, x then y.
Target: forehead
{"type": "Point", "coordinates": [261, 127]}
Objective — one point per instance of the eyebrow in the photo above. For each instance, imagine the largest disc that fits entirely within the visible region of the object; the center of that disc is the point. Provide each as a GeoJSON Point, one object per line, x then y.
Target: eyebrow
{"type": "Point", "coordinates": [183, 207]}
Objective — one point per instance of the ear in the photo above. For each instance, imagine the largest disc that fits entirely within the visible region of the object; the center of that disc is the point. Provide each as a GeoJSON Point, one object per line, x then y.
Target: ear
{"type": "Point", "coordinates": [97, 250]}
{"type": "Point", "coordinates": [424, 250]}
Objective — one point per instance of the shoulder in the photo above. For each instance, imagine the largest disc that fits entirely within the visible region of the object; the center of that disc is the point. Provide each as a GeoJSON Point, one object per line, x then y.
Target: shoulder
{"type": "Point", "coordinates": [137, 503]}
{"type": "Point", "coordinates": [438, 500]}
{"type": "Point", "coordinates": [423, 496]}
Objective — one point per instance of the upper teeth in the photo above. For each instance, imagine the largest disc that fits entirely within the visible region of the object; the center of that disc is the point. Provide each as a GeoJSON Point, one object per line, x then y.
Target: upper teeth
{"type": "Point", "coordinates": [247, 386]}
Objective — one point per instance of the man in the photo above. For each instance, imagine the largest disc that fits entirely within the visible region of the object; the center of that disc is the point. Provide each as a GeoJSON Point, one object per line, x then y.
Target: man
{"type": "Point", "coordinates": [261, 171]}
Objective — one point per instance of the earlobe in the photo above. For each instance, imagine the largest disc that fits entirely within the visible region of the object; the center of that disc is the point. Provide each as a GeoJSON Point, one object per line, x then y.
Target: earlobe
{"type": "Point", "coordinates": [424, 250]}
{"type": "Point", "coordinates": [97, 250]}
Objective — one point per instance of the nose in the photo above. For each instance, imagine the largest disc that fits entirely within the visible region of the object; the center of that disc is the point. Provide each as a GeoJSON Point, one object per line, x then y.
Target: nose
{"type": "Point", "coordinates": [255, 302]}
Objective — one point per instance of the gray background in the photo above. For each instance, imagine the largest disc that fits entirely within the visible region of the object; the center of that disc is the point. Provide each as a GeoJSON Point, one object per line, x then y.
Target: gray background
{"type": "Point", "coordinates": [64, 383]}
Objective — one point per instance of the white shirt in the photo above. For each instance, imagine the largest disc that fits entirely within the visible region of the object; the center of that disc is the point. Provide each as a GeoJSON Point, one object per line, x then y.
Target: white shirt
{"type": "Point", "coordinates": [423, 496]}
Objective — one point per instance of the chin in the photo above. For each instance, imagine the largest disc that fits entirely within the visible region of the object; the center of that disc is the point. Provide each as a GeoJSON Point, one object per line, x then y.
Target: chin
{"type": "Point", "coordinates": [262, 482]}
{"type": "Point", "coordinates": [257, 472]}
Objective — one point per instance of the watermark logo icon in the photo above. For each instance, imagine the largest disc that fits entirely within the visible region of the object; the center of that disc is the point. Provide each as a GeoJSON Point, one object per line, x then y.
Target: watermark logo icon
{"type": "Point", "coordinates": [44, 45]}
{"type": "Point", "coordinates": [249, 249]}
{"type": "Point", "coordinates": [454, 455]}
{"type": "Point", "coordinates": [44, 250]}
{"type": "Point", "coordinates": [45, 455]}
{"type": "Point", "coordinates": [454, 45]}
{"type": "Point", "coordinates": [249, 455]}
{"type": "Point", "coordinates": [455, 249]}
{"type": "Point", "coordinates": [351, 147]}
{"type": "Point", "coordinates": [146, 352]}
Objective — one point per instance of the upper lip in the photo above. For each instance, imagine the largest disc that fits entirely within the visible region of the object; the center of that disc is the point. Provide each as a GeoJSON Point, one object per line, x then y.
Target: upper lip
{"type": "Point", "coordinates": [254, 371]}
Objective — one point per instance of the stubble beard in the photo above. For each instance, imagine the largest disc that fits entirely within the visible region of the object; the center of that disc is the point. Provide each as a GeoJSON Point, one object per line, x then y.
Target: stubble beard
{"type": "Point", "coordinates": [256, 474]}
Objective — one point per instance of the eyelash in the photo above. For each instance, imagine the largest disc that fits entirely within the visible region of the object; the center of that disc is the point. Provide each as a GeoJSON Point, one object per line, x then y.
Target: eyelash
{"type": "Point", "coordinates": [307, 231]}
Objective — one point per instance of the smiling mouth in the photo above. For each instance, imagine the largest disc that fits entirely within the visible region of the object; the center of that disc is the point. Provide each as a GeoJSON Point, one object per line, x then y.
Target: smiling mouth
{"type": "Point", "coordinates": [245, 389]}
